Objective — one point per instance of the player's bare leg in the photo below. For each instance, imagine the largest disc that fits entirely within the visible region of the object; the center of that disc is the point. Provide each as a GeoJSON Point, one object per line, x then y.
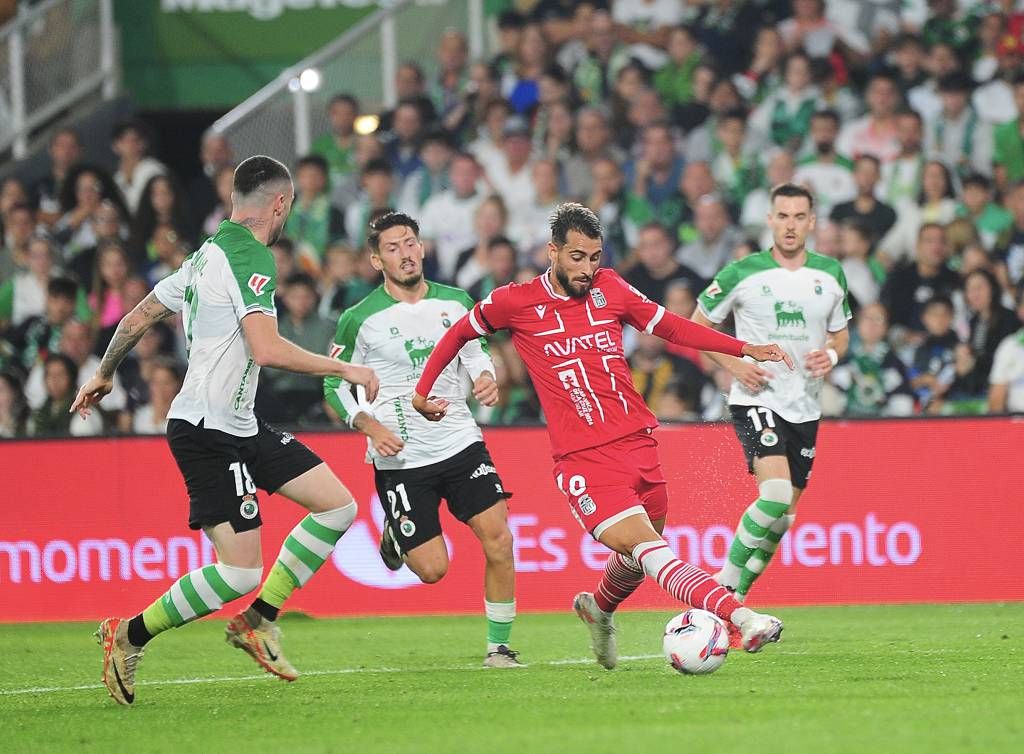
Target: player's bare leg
{"type": "Point", "coordinates": [237, 571]}
{"type": "Point", "coordinates": [621, 577]}
{"type": "Point", "coordinates": [307, 547]}
{"type": "Point", "coordinates": [491, 528]}
{"type": "Point", "coordinates": [634, 535]}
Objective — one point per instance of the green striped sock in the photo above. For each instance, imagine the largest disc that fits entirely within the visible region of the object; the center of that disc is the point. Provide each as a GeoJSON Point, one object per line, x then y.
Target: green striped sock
{"type": "Point", "coordinates": [304, 551]}
{"type": "Point", "coordinates": [199, 593]}
{"type": "Point", "coordinates": [499, 622]}
{"type": "Point", "coordinates": [760, 558]}
{"type": "Point", "coordinates": [753, 528]}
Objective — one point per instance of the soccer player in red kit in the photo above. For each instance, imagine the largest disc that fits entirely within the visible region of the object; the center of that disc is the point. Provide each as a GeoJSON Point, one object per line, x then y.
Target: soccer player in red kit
{"type": "Point", "coordinates": [566, 325]}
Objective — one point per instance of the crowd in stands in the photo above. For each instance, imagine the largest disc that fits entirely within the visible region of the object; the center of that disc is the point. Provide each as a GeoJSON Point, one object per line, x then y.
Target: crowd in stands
{"type": "Point", "coordinates": [671, 119]}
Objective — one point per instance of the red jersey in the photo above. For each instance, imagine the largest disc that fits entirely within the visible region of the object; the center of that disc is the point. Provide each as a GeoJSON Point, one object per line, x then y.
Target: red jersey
{"type": "Point", "coordinates": [572, 349]}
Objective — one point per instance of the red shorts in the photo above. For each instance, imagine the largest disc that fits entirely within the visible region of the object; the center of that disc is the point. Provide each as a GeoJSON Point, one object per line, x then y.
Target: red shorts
{"type": "Point", "coordinates": [610, 482]}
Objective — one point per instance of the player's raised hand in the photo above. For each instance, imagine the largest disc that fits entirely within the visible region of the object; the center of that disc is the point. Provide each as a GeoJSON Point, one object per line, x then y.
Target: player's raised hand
{"type": "Point", "coordinates": [432, 409]}
{"type": "Point", "coordinates": [91, 393]}
{"type": "Point", "coordinates": [770, 352]}
{"type": "Point", "coordinates": [753, 377]}
{"type": "Point", "coordinates": [485, 389]}
{"type": "Point", "coordinates": [364, 376]}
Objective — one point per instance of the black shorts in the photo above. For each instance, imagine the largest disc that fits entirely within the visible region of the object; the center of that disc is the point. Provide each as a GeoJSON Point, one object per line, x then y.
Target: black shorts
{"type": "Point", "coordinates": [412, 497]}
{"type": "Point", "coordinates": [222, 471]}
{"type": "Point", "coordinates": [763, 432]}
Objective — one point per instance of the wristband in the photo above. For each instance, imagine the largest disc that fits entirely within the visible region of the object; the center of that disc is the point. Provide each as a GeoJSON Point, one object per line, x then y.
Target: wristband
{"type": "Point", "coordinates": [363, 407]}
{"type": "Point", "coordinates": [833, 355]}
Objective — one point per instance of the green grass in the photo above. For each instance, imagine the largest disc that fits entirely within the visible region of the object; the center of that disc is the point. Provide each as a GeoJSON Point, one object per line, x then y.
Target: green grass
{"type": "Point", "coordinates": [846, 679]}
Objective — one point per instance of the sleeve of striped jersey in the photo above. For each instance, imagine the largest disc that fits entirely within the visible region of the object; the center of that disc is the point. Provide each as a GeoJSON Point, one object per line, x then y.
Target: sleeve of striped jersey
{"type": "Point", "coordinates": [637, 310]}
{"type": "Point", "coordinates": [255, 279]}
{"type": "Point", "coordinates": [841, 313]}
{"type": "Point", "coordinates": [171, 290]}
{"type": "Point", "coordinates": [493, 313]}
{"type": "Point", "coordinates": [716, 301]}
{"type": "Point", "coordinates": [337, 392]}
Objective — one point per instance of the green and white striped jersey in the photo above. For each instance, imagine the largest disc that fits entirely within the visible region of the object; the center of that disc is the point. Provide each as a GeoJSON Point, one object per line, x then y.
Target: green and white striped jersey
{"type": "Point", "coordinates": [230, 276]}
{"type": "Point", "coordinates": [794, 308]}
{"type": "Point", "coordinates": [395, 339]}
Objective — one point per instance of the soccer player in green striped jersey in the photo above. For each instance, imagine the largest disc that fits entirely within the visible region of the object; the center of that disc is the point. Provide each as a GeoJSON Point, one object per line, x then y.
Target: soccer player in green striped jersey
{"type": "Point", "coordinates": [798, 299]}
{"type": "Point", "coordinates": [225, 292]}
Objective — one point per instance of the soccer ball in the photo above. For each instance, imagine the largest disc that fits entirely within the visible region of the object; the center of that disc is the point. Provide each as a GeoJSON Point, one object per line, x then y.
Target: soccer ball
{"type": "Point", "coordinates": [696, 642]}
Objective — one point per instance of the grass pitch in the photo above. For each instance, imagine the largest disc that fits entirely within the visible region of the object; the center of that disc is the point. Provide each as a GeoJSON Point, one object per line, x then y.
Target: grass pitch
{"type": "Point", "coordinates": [846, 679]}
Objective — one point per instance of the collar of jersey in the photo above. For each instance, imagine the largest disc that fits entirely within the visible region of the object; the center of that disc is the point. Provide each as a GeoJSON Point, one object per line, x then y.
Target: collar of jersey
{"type": "Point", "coordinates": [547, 286]}
{"type": "Point", "coordinates": [430, 289]}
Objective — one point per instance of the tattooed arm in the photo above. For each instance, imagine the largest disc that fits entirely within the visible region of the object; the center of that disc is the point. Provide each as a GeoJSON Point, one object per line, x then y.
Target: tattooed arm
{"type": "Point", "coordinates": [129, 331]}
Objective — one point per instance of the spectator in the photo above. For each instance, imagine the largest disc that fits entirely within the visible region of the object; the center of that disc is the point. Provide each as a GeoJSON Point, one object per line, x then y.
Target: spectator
{"type": "Point", "coordinates": [452, 55]}
{"type": "Point", "coordinates": [958, 135]}
{"type": "Point", "coordinates": [489, 223]}
{"type": "Point", "coordinates": [878, 216]}
{"type": "Point", "coordinates": [757, 204]}
{"type": "Point", "coordinates": [924, 98]}
{"type": "Point", "coordinates": [204, 190]}
{"type": "Point", "coordinates": [529, 225]}
{"type": "Point", "coordinates": [346, 189]}
{"type": "Point", "coordinates": [608, 199]}
{"type": "Point", "coordinates": [902, 176]}
{"type": "Point", "coordinates": [447, 225]}
{"type": "Point", "coordinates": [646, 23]}
{"type": "Point", "coordinates": [133, 291]}
{"type": "Point", "coordinates": [674, 81]}
{"type": "Point", "coordinates": [284, 267]}
{"type": "Point", "coordinates": [764, 74]}
{"type": "Point", "coordinates": [911, 284]}
{"type": "Point", "coordinates": [18, 228]}
{"type": "Point", "coordinates": [824, 171]}
{"type": "Point", "coordinates": [85, 189]}
{"type": "Point", "coordinates": [933, 369]}
{"type": "Point", "coordinates": [716, 238]}
{"type": "Point", "coordinates": [875, 133]}
{"type": "Point", "coordinates": [645, 109]}
{"type": "Point", "coordinates": [1008, 138]}
{"type": "Point", "coordinates": [341, 286]}
{"type": "Point", "coordinates": [1006, 380]}
{"type": "Point", "coordinates": [468, 117]}
{"type": "Point", "coordinates": [1010, 247]}
{"type": "Point", "coordinates": [726, 29]}
{"type": "Point", "coordinates": [990, 220]}
{"type": "Point", "coordinates": [500, 270]}
{"type": "Point", "coordinates": [378, 186]}
{"type": "Point", "coordinates": [990, 322]}
{"type": "Point", "coordinates": [632, 79]}
{"type": "Point", "coordinates": [936, 204]}
{"type": "Point", "coordinates": [864, 273]}
{"type": "Point", "coordinates": [872, 378]}
{"type": "Point", "coordinates": [991, 30]}
{"type": "Point", "coordinates": [998, 99]}
{"type": "Point", "coordinates": [52, 418]}
{"type": "Point", "coordinates": [702, 142]}
{"type": "Point", "coordinates": [295, 394]}
{"type": "Point", "coordinates": [65, 150]}
{"type": "Point", "coordinates": [908, 56]}
{"type": "Point", "coordinates": [410, 86]}
{"type": "Point", "coordinates": [653, 267]}
{"type": "Point", "coordinates": [522, 88]}
{"type": "Point", "coordinates": [40, 336]}
{"type": "Point", "coordinates": [690, 116]}
{"type": "Point", "coordinates": [654, 370]}
{"type": "Point", "coordinates": [945, 25]}
{"type": "Point", "coordinates": [431, 178]}
{"type": "Point", "coordinates": [593, 141]}
{"type": "Point", "coordinates": [402, 148]}
{"type": "Point", "coordinates": [680, 297]}
{"type": "Point", "coordinates": [835, 92]}
{"type": "Point", "coordinates": [107, 299]}
{"type": "Point", "coordinates": [224, 183]}
{"type": "Point", "coordinates": [24, 295]}
{"type": "Point", "coordinates": [486, 147]}
{"type": "Point", "coordinates": [135, 168]}
{"type": "Point", "coordinates": [737, 165]}
{"type": "Point", "coordinates": [512, 174]}
{"type": "Point", "coordinates": [785, 115]}
{"type": "Point", "coordinates": [12, 194]}
{"type": "Point", "coordinates": [164, 382]}
{"type": "Point", "coordinates": [808, 30]}
{"type": "Point", "coordinates": [554, 139]}
{"type": "Point", "coordinates": [337, 146]}
{"type": "Point", "coordinates": [654, 175]}
{"type": "Point", "coordinates": [313, 222]}
{"type": "Point", "coordinates": [13, 409]}
{"type": "Point", "coordinates": [161, 220]}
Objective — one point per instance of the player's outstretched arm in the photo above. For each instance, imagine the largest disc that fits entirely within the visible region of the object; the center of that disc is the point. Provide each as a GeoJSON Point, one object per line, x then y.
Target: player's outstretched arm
{"type": "Point", "coordinates": [269, 349]}
{"type": "Point", "coordinates": [129, 331]}
{"type": "Point", "coordinates": [753, 377]}
{"type": "Point", "coordinates": [446, 349]}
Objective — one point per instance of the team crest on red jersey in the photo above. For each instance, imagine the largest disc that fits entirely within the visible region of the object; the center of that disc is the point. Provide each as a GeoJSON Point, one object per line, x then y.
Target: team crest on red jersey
{"type": "Point", "coordinates": [597, 296]}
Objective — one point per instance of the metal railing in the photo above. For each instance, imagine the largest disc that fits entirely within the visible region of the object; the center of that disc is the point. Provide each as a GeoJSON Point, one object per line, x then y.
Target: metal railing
{"type": "Point", "coordinates": [283, 117]}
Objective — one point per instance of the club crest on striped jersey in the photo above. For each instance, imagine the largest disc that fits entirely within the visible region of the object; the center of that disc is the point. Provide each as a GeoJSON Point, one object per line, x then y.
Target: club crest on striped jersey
{"type": "Point", "coordinates": [597, 296]}
{"type": "Point", "coordinates": [258, 282]}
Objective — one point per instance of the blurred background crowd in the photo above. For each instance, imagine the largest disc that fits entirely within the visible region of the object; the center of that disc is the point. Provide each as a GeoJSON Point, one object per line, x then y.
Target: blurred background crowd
{"type": "Point", "coordinates": [669, 118]}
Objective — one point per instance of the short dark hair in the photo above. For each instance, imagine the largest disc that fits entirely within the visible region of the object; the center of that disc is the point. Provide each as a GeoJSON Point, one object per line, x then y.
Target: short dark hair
{"type": "Point", "coordinates": [940, 300]}
{"type": "Point", "coordinates": [285, 244]}
{"type": "Point", "coordinates": [68, 364]}
{"type": "Point", "coordinates": [977, 179]}
{"type": "Point", "coordinates": [253, 173]}
{"type": "Point", "coordinates": [827, 114]}
{"type": "Point", "coordinates": [734, 113]}
{"type": "Point", "coordinates": [131, 124]}
{"type": "Point", "coordinates": [416, 68]}
{"type": "Point", "coordinates": [572, 216]}
{"type": "Point", "coordinates": [860, 226]}
{"type": "Point", "coordinates": [386, 222]}
{"type": "Point", "coordinates": [346, 98]}
{"type": "Point", "coordinates": [909, 112]}
{"type": "Point", "coordinates": [868, 157]}
{"type": "Point", "coordinates": [301, 278]}
{"type": "Point", "coordinates": [62, 288]}
{"type": "Point", "coordinates": [792, 190]}
{"type": "Point", "coordinates": [511, 19]}
{"type": "Point", "coordinates": [312, 161]}
{"type": "Point", "coordinates": [65, 131]}
{"type": "Point", "coordinates": [378, 165]}
{"type": "Point", "coordinates": [498, 241]}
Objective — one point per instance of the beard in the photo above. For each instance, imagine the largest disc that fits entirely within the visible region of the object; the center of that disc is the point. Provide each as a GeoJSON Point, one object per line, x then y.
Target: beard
{"type": "Point", "coordinates": [410, 281]}
{"type": "Point", "coordinates": [571, 288]}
